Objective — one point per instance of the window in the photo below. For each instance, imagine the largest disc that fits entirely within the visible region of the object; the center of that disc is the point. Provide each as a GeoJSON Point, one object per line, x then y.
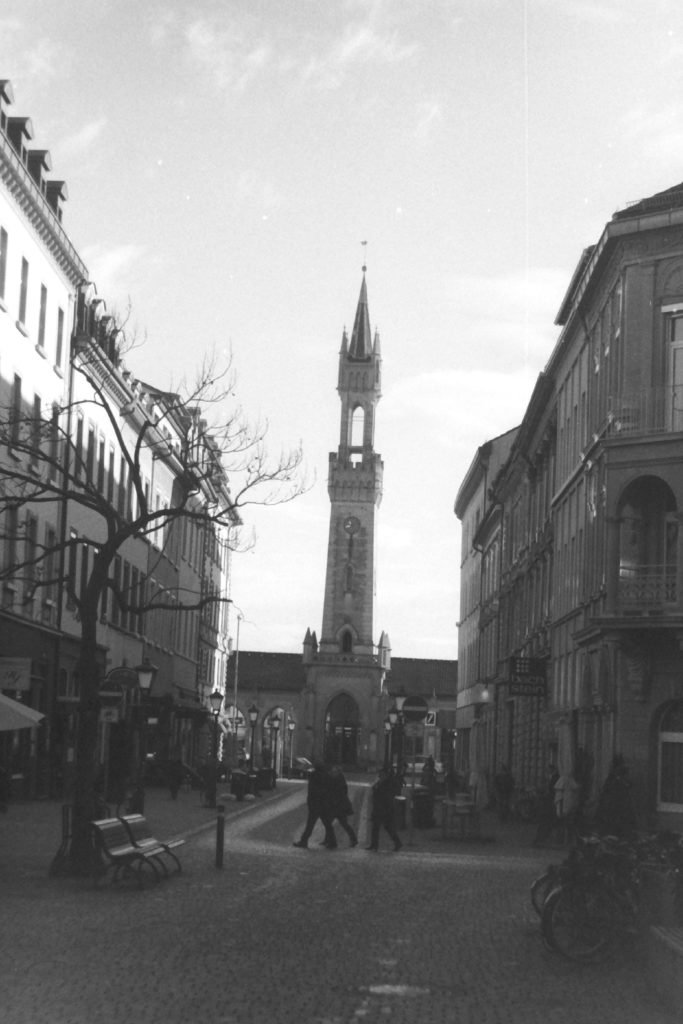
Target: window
{"type": "Point", "coordinates": [121, 497]}
{"type": "Point", "coordinates": [36, 430]}
{"type": "Point", "coordinates": [54, 442]}
{"type": "Point", "coordinates": [116, 585]}
{"type": "Point", "coordinates": [71, 570]}
{"type": "Point", "coordinates": [110, 476]}
{"type": "Point", "coordinates": [670, 774]}
{"type": "Point", "coordinates": [23, 293]}
{"type": "Point", "coordinates": [15, 426]}
{"type": "Point", "coordinates": [101, 465]}
{"type": "Point", "coordinates": [3, 262]}
{"type": "Point", "coordinates": [90, 455]}
{"type": "Point", "coordinates": [60, 337]}
{"type": "Point", "coordinates": [50, 591]}
{"type": "Point", "coordinates": [78, 467]}
{"type": "Point", "coordinates": [41, 317]}
{"type": "Point", "coordinates": [30, 553]}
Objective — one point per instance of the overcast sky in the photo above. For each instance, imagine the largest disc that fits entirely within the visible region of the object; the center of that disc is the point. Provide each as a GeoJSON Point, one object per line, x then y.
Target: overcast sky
{"type": "Point", "coordinates": [226, 158]}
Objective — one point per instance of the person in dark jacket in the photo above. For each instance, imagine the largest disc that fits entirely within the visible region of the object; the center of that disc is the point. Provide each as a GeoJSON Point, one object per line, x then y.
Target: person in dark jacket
{"type": "Point", "coordinates": [319, 802]}
{"type": "Point", "coordinates": [175, 777]}
{"type": "Point", "coordinates": [382, 813]}
{"type": "Point", "coordinates": [547, 819]}
{"type": "Point", "coordinates": [504, 785]}
{"type": "Point", "coordinates": [615, 814]}
{"type": "Point", "coordinates": [341, 806]}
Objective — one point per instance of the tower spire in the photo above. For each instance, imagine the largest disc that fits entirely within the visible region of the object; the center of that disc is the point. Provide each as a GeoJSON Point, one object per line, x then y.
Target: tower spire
{"type": "Point", "coordinates": [361, 338]}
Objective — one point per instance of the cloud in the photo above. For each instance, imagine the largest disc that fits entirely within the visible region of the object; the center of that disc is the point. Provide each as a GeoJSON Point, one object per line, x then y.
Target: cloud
{"type": "Point", "coordinates": [82, 141]}
{"type": "Point", "coordinates": [359, 44]}
{"type": "Point", "coordinates": [428, 117]}
{"type": "Point", "coordinates": [226, 55]}
{"type": "Point", "coordinates": [656, 131]}
{"type": "Point", "coordinates": [111, 268]}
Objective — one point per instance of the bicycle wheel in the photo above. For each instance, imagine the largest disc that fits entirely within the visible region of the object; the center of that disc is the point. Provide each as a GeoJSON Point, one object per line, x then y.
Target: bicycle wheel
{"type": "Point", "coordinates": [581, 921]}
{"type": "Point", "coordinates": [541, 888]}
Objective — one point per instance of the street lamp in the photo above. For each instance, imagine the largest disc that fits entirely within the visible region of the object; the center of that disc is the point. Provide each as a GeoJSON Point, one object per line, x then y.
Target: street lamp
{"type": "Point", "coordinates": [253, 719]}
{"type": "Point", "coordinates": [291, 726]}
{"type": "Point", "coordinates": [275, 726]}
{"type": "Point", "coordinates": [387, 741]}
{"type": "Point", "coordinates": [145, 672]}
{"type": "Point", "coordinates": [215, 701]}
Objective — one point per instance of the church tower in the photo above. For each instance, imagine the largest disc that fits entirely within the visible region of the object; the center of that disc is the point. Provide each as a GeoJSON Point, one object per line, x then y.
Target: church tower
{"type": "Point", "coordinates": [346, 669]}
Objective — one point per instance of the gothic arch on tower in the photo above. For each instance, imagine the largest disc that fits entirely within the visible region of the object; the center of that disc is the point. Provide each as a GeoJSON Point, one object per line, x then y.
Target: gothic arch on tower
{"type": "Point", "coordinates": [342, 721]}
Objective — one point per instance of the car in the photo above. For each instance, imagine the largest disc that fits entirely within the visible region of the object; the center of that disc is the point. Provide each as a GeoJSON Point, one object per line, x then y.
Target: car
{"type": "Point", "coordinates": [301, 768]}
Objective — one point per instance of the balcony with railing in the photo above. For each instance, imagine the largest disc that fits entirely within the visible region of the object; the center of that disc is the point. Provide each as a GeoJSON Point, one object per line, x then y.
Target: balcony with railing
{"type": "Point", "coordinates": [656, 410]}
{"type": "Point", "coordinates": [647, 586]}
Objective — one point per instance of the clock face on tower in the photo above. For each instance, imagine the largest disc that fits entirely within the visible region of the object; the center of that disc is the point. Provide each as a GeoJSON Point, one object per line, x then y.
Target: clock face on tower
{"type": "Point", "coordinates": [351, 524]}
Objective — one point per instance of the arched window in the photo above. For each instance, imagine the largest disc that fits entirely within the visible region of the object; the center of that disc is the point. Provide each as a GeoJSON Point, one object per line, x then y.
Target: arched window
{"type": "Point", "coordinates": [670, 761]}
{"type": "Point", "coordinates": [346, 642]}
{"type": "Point", "coordinates": [648, 543]}
{"type": "Point", "coordinates": [357, 427]}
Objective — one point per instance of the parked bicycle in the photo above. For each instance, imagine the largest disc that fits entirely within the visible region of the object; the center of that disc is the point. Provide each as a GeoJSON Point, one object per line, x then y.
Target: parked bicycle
{"type": "Point", "coordinates": [590, 902]}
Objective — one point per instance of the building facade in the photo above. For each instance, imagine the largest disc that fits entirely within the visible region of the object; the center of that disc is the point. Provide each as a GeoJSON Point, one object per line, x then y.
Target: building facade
{"type": "Point", "coordinates": [590, 605]}
{"type": "Point", "coordinates": [98, 449]}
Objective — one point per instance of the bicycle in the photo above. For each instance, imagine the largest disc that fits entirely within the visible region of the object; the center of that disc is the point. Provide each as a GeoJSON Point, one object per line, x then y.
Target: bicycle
{"type": "Point", "coordinates": [591, 902]}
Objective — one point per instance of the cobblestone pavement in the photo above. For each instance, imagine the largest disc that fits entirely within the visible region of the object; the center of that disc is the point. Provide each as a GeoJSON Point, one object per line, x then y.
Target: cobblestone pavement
{"type": "Point", "coordinates": [436, 933]}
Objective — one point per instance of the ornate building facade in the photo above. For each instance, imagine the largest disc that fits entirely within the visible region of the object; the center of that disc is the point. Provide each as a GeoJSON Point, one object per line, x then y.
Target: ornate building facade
{"type": "Point", "coordinates": [589, 591]}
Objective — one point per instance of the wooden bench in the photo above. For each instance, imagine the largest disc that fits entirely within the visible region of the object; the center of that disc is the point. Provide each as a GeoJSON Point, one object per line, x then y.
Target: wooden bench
{"type": "Point", "coordinates": [142, 839]}
{"type": "Point", "coordinates": [127, 845]}
{"type": "Point", "coordinates": [118, 851]}
{"type": "Point", "coordinates": [460, 810]}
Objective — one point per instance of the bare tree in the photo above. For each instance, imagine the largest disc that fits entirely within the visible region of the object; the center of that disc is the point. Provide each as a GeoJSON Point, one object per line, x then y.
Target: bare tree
{"type": "Point", "coordinates": [218, 463]}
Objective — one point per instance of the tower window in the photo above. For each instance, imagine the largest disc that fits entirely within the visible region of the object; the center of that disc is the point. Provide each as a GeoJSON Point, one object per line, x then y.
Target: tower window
{"type": "Point", "coordinates": [346, 642]}
{"type": "Point", "coordinates": [357, 427]}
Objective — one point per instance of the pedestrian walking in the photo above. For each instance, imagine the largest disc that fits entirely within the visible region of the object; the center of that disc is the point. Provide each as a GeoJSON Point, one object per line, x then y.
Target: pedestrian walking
{"type": "Point", "coordinates": [382, 811]}
{"type": "Point", "coordinates": [340, 803]}
{"type": "Point", "coordinates": [319, 802]}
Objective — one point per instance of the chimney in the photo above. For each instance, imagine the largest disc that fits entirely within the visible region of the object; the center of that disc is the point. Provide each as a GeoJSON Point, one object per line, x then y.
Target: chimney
{"type": "Point", "coordinates": [38, 162]}
{"type": "Point", "coordinates": [56, 193]}
{"type": "Point", "coordinates": [6, 98]}
{"type": "Point", "coordinates": [19, 129]}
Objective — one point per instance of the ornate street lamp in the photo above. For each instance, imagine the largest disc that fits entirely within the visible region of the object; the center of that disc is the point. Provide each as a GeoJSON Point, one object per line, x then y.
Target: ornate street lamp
{"type": "Point", "coordinates": [252, 714]}
{"type": "Point", "coordinates": [275, 726]}
{"type": "Point", "coordinates": [146, 673]}
{"type": "Point", "coordinates": [387, 741]}
{"type": "Point", "coordinates": [215, 702]}
{"type": "Point", "coordinates": [291, 726]}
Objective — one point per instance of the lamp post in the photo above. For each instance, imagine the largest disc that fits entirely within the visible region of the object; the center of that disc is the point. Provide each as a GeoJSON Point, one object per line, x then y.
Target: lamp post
{"type": "Point", "coordinates": [387, 742]}
{"type": "Point", "coordinates": [291, 726]}
{"type": "Point", "coordinates": [215, 701]}
{"type": "Point", "coordinates": [253, 719]}
{"type": "Point", "coordinates": [275, 726]}
{"type": "Point", "coordinates": [393, 717]}
{"type": "Point", "coordinates": [145, 672]}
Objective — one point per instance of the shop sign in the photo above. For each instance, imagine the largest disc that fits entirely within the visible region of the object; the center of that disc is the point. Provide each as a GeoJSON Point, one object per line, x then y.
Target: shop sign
{"type": "Point", "coordinates": [527, 677]}
{"type": "Point", "coordinates": [15, 674]}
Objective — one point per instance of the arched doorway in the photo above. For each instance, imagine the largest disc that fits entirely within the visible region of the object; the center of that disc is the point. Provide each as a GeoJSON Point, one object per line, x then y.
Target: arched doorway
{"type": "Point", "coordinates": [341, 731]}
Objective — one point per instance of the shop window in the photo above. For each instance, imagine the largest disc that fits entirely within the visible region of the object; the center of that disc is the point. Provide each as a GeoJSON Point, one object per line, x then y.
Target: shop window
{"type": "Point", "coordinates": [670, 766]}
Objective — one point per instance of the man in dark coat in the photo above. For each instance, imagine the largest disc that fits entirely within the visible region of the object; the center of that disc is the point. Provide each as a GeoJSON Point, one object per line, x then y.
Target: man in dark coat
{"type": "Point", "coordinates": [340, 803]}
{"type": "Point", "coordinates": [319, 801]}
{"type": "Point", "coordinates": [382, 813]}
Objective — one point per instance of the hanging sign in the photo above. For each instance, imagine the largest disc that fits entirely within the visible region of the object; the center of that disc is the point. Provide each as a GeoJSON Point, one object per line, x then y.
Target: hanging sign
{"type": "Point", "coordinates": [527, 677]}
{"type": "Point", "coordinates": [15, 673]}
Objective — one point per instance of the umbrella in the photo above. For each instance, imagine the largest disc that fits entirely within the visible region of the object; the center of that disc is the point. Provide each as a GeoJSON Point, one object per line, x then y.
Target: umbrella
{"type": "Point", "coordinates": [14, 715]}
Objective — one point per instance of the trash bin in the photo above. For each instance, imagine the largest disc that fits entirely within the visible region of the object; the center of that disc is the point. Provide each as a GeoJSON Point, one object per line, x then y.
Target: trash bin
{"type": "Point", "coordinates": [238, 784]}
{"type": "Point", "coordinates": [423, 808]}
{"type": "Point", "coordinates": [400, 811]}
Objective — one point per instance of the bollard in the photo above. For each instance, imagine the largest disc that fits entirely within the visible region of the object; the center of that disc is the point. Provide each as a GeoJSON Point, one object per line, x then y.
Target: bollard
{"type": "Point", "coordinates": [220, 834]}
